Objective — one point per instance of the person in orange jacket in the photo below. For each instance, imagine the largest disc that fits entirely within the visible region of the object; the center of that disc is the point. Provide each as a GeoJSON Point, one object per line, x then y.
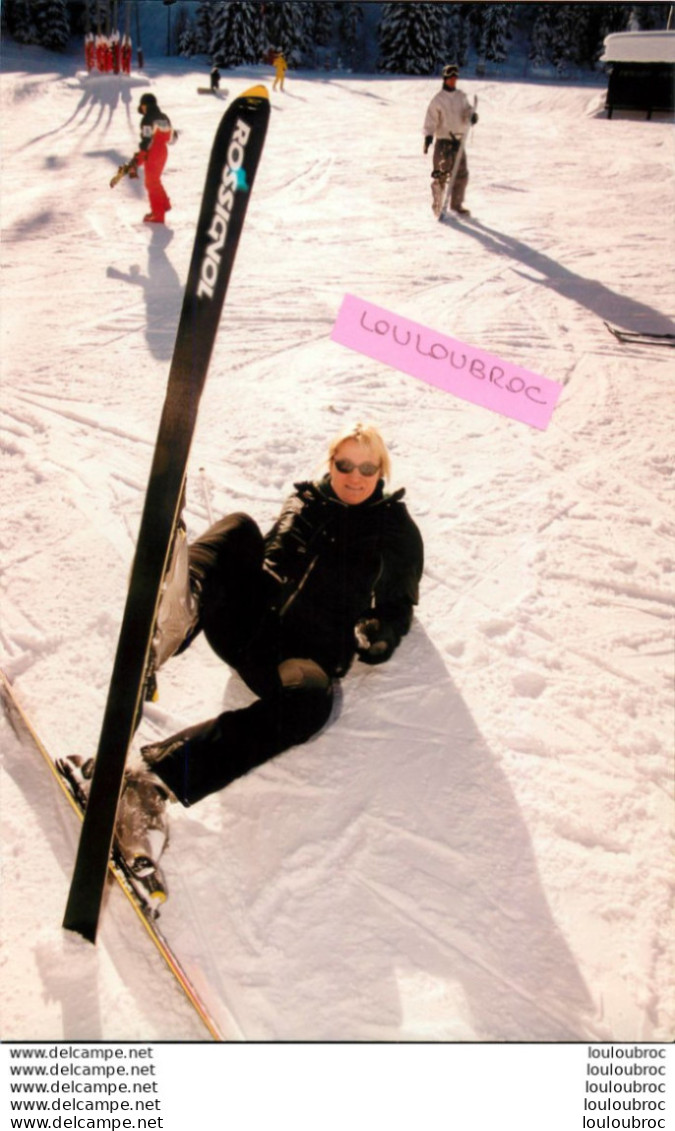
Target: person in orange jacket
{"type": "Point", "coordinates": [156, 135]}
{"type": "Point", "coordinates": [280, 67]}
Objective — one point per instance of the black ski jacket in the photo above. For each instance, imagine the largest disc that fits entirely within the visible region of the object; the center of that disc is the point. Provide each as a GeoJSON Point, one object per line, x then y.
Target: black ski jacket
{"type": "Point", "coordinates": [333, 565]}
{"type": "Point", "coordinates": [153, 121]}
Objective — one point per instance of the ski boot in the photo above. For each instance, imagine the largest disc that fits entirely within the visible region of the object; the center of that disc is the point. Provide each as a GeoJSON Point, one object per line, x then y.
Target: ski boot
{"type": "Point", "coordinates": [78, 772]}
{"type": "Point", "coordinates": [142, 830]}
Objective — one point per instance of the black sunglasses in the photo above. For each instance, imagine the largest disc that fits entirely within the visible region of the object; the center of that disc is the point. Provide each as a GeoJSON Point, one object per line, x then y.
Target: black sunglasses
{"type": "Point", "coordinates": [345, 466]}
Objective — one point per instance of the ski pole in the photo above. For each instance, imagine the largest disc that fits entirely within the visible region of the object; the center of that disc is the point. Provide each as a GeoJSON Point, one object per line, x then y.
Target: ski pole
{"type": "Point", "coordinates": [206, 491]}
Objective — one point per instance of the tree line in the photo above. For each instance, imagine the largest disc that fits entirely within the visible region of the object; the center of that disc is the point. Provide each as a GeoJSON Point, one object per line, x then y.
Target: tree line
{"type": "Point", "coordinates": [559, 36]}
{"type": "Point", "coordinates": [411, 38]}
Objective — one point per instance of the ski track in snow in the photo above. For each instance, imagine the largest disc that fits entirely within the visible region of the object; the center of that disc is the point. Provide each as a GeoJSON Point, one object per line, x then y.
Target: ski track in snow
{"type": "Point", "coordinates": [476, 849]}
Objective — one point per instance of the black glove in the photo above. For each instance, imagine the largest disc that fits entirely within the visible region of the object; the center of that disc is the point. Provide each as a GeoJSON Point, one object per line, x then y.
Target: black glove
{"type": "Point", "coordinates": [474, 118]}
{"type": "Point", "coordinates": [427, 142]}
{"type": "Point", "coordinates": [375, 641]}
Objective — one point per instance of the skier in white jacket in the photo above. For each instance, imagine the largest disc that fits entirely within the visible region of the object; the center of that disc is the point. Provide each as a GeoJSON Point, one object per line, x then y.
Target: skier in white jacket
{"type": "Point", "coordinates": [448, 116]}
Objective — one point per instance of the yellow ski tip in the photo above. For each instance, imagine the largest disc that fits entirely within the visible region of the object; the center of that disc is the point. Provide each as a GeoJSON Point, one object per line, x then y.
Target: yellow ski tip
{"type": "Point", "coordinates": [259, 91]}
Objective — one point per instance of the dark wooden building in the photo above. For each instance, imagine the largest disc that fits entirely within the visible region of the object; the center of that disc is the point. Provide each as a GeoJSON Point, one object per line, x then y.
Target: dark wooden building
{"type": "Point", "coordinates": [641, 67]}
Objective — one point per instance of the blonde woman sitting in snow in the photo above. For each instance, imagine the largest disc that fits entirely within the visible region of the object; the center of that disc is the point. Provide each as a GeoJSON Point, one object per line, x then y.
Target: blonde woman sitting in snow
{"type": "Point", "coordinates": [335, 578]}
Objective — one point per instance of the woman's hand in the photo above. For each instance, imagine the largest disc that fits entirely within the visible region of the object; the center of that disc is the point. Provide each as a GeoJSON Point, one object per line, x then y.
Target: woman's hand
{"type": "Point", "coordinates": [375, 641]}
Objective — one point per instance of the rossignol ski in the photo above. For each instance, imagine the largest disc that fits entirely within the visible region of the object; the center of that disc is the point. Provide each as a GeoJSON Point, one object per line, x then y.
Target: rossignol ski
{"type": "Point", "coordinates": [137, 897]}
{"type": "Point", "coordinates": [229, 179]}
{"type": "Point", "coordinates": [450, 183]}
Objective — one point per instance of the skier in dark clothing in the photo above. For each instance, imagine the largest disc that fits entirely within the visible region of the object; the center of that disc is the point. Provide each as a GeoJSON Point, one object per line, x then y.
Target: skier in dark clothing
{"type": "Point", "coordinates": [335, 578]}
{"type": "Point", "coordinates": [156, 135]}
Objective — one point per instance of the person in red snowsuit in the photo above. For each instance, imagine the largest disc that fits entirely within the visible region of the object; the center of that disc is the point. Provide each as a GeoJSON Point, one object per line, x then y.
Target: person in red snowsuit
{"type": "Point", "coordinates": [156, 135]}
{"type": "Point", "coordinates": [126, 55]}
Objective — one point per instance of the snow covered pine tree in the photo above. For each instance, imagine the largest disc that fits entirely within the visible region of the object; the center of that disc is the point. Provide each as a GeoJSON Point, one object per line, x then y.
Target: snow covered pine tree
{"type": "Point", "coordinates": [236, 34]}
{"type": "Point", "coordinates": [411, 37]}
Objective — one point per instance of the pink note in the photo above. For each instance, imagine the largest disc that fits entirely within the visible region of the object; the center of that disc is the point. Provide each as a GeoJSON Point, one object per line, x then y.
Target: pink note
{"type": "Point", "coordinates": [466, 371]}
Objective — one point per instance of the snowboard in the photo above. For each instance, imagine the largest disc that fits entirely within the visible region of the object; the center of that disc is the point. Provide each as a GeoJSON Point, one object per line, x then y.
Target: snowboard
{"type": "Point", "coordinates": [450, 184]}
{"type": "Point", "coordinates": [122, 171]}
{"type": "Point", "coordinates": [230, 176]}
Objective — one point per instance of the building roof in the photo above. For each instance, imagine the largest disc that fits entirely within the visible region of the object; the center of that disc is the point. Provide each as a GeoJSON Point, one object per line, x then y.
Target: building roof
{"type": "Point", "coordinates": [639, 47]}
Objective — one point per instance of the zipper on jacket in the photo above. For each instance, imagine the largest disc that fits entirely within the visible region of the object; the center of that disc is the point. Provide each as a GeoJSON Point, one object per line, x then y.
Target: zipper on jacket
{"type": "Point", "coordinates": [300, 586]}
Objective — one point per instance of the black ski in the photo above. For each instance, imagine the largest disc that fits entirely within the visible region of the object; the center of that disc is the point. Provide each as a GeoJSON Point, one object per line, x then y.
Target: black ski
{"type": "Point", "coordinates": [640, 337]}
{"type": "Point", "coordinates": [229, 179]}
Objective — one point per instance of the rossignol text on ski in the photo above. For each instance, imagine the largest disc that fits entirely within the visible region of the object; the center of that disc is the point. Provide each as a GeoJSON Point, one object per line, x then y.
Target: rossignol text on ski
{"type": "Point", "coordinates": [233, 180]}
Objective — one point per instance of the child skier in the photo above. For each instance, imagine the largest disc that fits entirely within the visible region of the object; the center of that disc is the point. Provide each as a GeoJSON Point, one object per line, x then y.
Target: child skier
{"type": "Point", "coordinates": [156, 135]}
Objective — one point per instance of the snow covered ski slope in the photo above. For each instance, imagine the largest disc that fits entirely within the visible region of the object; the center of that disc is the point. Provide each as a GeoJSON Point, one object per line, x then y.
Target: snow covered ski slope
{"type": "Point", "coordinates": [478, 847]}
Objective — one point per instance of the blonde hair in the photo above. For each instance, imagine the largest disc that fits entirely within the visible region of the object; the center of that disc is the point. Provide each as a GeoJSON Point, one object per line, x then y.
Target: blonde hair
{"type": "Point", "coordinates": [368, 435]}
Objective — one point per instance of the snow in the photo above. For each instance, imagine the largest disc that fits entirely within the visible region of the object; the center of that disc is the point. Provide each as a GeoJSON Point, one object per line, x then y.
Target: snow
{"type": "Point", "coordinates": [477, 848]}
{"type": "Point", "coordinates": [640, 47]}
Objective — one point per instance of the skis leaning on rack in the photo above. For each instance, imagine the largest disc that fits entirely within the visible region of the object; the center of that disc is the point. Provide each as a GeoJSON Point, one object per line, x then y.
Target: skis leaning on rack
{"type": "Point", "coordinates": [640, 337]}
{"type": "Point", "coordinates": [231, 172]}
{"type": "Point", "coordinates": [134, 892]}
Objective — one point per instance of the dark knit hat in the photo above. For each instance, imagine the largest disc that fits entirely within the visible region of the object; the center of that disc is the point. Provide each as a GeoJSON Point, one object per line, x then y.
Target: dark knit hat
{"type": "Point", "coordinates": [147, 100]}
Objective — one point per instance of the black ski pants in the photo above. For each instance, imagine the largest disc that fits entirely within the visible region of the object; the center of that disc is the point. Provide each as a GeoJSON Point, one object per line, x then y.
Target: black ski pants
{"type": "Point", "coordinates": [294, 693]}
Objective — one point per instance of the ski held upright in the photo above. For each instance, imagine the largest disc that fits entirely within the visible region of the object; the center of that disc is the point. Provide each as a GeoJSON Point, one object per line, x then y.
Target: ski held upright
{"type": "Point", "coordinates": [450, 184]}
{"type": "Point", "coordinates": [231, 172]}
